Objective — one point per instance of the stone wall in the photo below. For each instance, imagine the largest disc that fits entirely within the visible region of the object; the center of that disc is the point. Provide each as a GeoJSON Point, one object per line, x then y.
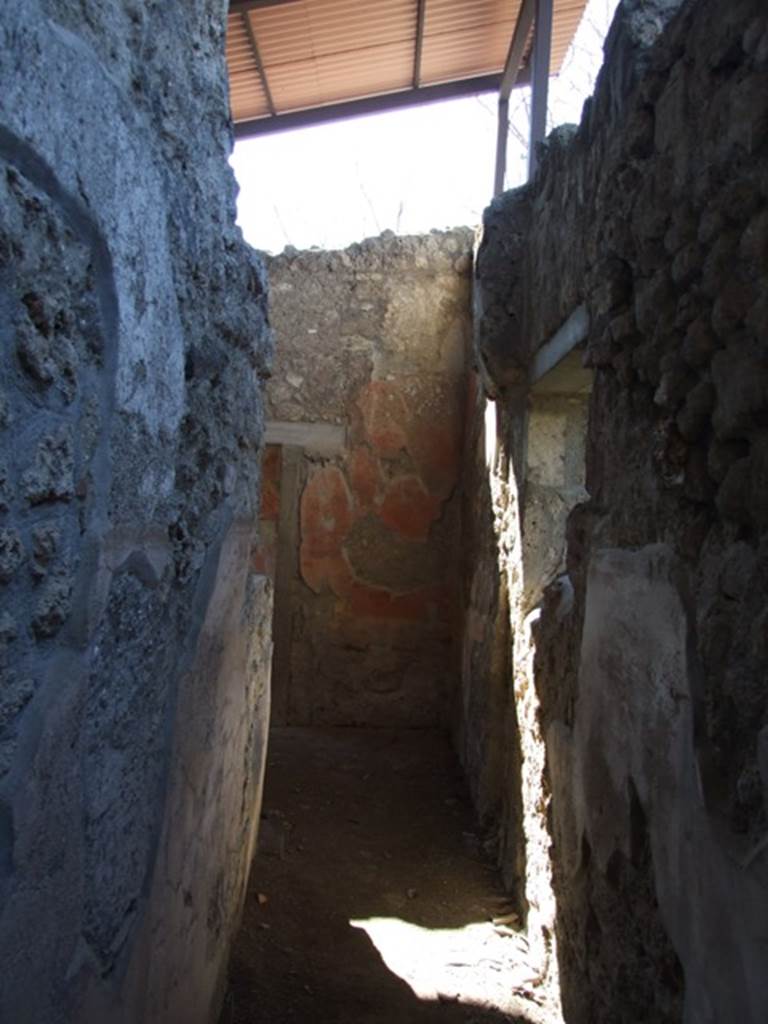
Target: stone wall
{"type": "Point", "coordinates": [647, 657]}
{"type": "Point", "coordinates": [368, 399]}
{"type": "Point", "coordinates": [134, 643]}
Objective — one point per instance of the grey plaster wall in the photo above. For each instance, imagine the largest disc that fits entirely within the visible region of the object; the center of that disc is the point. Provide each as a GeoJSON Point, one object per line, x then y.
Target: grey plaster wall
{"type": "Point", "coordinates": [648, 657]}
{"type": "Point", "coordinates": [134, 645]}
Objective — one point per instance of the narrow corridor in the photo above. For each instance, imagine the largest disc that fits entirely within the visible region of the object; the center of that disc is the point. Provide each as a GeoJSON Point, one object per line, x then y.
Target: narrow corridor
{"type": "Point", "coordinates": [373, 899]}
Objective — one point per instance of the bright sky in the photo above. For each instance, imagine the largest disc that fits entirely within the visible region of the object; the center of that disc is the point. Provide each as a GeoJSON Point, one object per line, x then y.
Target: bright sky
{"type": "Point", "coordinates": [407, 171]}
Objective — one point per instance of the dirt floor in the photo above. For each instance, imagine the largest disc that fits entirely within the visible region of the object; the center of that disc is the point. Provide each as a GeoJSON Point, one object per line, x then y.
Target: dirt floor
{"type": "Point", "coordinates": [372, 900]}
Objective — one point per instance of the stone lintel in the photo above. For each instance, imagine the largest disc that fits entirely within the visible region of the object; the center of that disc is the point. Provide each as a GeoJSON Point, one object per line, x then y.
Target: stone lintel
{"type": "Point", "coordinates": [320, 438]}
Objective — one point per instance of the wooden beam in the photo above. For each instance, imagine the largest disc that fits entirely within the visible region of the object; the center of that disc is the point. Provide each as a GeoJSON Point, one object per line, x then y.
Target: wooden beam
{"type": "Point", "coordinates": [421, 10]}
{"type": "Point", "coordinates": [257, 58]}
{"type": "Point", "coordinates": [319, 438]}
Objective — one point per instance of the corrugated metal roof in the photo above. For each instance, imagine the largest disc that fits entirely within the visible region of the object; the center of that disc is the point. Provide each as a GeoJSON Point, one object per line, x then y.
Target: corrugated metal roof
{"type": "Point", "coordinates": [314, 53]}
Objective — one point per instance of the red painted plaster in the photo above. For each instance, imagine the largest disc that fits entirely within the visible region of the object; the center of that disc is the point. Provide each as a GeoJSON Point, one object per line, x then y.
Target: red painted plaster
{"type": "Point", "coordinates": [365, 477]}
{"type": "Point", "coordinates": [385, 415]}
{"type": "Point", "coordinates": [409, 509]}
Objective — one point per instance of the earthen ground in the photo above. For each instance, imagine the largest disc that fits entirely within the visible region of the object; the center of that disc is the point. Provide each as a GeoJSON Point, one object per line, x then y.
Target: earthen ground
{"type": "Point", "coordinates": [374, 824]}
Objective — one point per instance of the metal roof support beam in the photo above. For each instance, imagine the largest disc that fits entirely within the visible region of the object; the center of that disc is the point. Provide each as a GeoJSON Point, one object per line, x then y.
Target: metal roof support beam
{"type": "Point", "coordinates": [511, 76]}
{"type": "Point", "coordinates": [502, 131]}
{"type": "Point", "coordinates": [540, 61]}
{"type": "Point", "coordinates": [243, 6]}
{"type": "Point", "coordinates": [259, 66]}
{"type": "Point", "coordinates": [421, 10]}
{"type": "Point", "coordinates": [369, 105]}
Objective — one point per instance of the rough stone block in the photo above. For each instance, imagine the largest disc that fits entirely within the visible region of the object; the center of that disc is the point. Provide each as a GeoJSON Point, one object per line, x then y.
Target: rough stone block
{"type": "Point", "coordinates": [740, 377]}
{"type": "Point", "coordinates": [695, 415]}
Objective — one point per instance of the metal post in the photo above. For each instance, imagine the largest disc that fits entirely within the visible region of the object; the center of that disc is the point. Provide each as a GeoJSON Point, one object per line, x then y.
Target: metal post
{"type": "Point", "coordinates": [501, 146]}
{"type": "Point", "coordinates": [508, 80]}
{"type": "Point", "coordinates": [540, 58]}
{"type": "Point", "coordinates": [421, 14]}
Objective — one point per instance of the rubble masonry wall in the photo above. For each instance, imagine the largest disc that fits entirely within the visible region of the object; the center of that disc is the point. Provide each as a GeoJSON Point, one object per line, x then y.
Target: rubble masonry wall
{"type": "Point", "coordinates": [134, 641]}
{"type": "Point", "coordinates": [648, 658]}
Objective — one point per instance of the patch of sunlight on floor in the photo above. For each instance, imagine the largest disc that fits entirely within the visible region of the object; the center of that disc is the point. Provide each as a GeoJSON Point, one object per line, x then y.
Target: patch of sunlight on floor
{"type": "Point", "coordinates": [480, 964]}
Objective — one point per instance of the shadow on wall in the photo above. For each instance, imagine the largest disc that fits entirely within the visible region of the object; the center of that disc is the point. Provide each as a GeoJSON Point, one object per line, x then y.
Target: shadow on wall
{"type": "Point", "coordinates": [535, 482]}
{"type": "Point", "coordinates": [613, 948]}
{"type": "Point", "coordinates": [485, 726]}
{"type": "Point", "coordinates": [526, 466]}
